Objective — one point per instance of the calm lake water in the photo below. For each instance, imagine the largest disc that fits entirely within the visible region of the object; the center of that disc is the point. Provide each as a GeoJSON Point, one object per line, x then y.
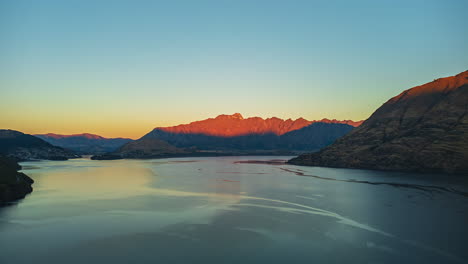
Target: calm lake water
{"type": "Point", "coordinates": [217, 210]}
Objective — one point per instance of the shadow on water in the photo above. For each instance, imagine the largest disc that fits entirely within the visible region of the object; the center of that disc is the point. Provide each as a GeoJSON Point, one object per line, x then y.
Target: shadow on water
{"type": "Point", "coordinates": [270, 162]}
{"type": "Point", "coordinates": [13, 203]}
{"type": "Point", "coordinates": [6, 208]}
{"type": "Point", "coordinates": [426, 188]}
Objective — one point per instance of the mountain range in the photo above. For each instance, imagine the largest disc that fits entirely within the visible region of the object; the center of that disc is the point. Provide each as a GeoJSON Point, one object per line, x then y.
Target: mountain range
{"type": "Point", "coordinates": [84, 143]}
{"type": "Point", "coordinates": [222, 135]}
{"type": "Point", "coordinates": [232, 132]}
{"type": "Point", "coordinates": [236, 125]}
{"type": "Point", "coordinates": [20, 146]}
{"type": "Point", "coordinates": [423, 129]}
{"type": "Point", "coordinates": [234, 135]}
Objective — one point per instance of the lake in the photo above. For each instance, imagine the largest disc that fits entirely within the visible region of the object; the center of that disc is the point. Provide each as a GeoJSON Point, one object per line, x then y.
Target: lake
{"type": "Point", "coordinates": [232, 210]}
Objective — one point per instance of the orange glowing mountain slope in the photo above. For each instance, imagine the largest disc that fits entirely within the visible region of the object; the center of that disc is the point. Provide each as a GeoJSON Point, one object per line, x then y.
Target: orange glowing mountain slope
{"type": "Point", "coordinates": [237, 125]}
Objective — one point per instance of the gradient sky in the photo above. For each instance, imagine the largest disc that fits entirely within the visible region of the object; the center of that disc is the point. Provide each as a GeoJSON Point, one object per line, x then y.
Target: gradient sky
{"type": "Point", "coordinates": [121, 68]}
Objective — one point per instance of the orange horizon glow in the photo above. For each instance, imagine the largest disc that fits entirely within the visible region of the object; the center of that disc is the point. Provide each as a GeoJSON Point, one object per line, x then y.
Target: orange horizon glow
{"type": "Point", "coordinates": [133, 129]}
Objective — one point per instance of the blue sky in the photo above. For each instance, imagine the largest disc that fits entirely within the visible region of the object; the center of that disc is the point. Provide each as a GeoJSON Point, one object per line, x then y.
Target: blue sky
{"type": "Point", "coordinates": [120, 68]}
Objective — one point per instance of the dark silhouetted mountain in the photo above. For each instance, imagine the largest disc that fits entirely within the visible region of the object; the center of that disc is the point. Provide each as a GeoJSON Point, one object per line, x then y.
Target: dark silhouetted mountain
{"type": "Point", "coordinates": [422, 129]}
{"type": "Point", "coordinates": [85, 143]}
{"type": "Point", "coordinates": [13, 184]}
{"type": "Point", "coordinates": [144, 148]}
{"type": "Point", "coordinates": [313, 137]}
{"type": "Point", "coordinates": [21, 146]}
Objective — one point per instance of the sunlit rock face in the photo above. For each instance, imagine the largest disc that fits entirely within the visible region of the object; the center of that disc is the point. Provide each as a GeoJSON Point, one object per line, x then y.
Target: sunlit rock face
{"type": "Point", "coordinates": [235, 135]}
{"type": "Point", "coordinates": [423, 129]}
{"type": "Point", "coordinates": [234, 132]}
{"type": "Point", "coordinates": [237, 125]}
{"type": "Point", "coordinates": [309, 138]}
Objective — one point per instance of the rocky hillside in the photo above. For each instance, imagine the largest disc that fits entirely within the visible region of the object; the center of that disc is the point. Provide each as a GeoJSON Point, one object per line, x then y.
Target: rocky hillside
{"type": "Point", "coordinates": [13, 184]}
{"type": "Point", "coordinates": [422, 129]}
{"type": "Point", "coordinates": [84, 143]}
{"type": "Point", "coordinates": [22, 146]}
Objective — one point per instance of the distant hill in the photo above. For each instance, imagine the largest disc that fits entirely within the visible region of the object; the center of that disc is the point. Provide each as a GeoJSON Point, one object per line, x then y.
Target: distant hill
{"type": "Point", "coordinates": [85, 143]}
{"type": "Point", "coordinates": [144, 148]}
{"type": "Point", "coordinates": [424, 128]}
{"type": "Point", "coordinates": [22, 146]}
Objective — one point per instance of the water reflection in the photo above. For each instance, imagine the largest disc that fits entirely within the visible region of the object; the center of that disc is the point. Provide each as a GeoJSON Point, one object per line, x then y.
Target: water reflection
{"type": "Point", "coordinates": [89, 183]}
{"type": "Point", "coordinates": [222, 210]}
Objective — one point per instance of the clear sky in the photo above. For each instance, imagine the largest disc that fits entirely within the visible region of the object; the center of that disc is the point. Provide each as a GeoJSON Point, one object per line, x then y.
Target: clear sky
{"type": "Point", "coordinates": [121, 68]}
